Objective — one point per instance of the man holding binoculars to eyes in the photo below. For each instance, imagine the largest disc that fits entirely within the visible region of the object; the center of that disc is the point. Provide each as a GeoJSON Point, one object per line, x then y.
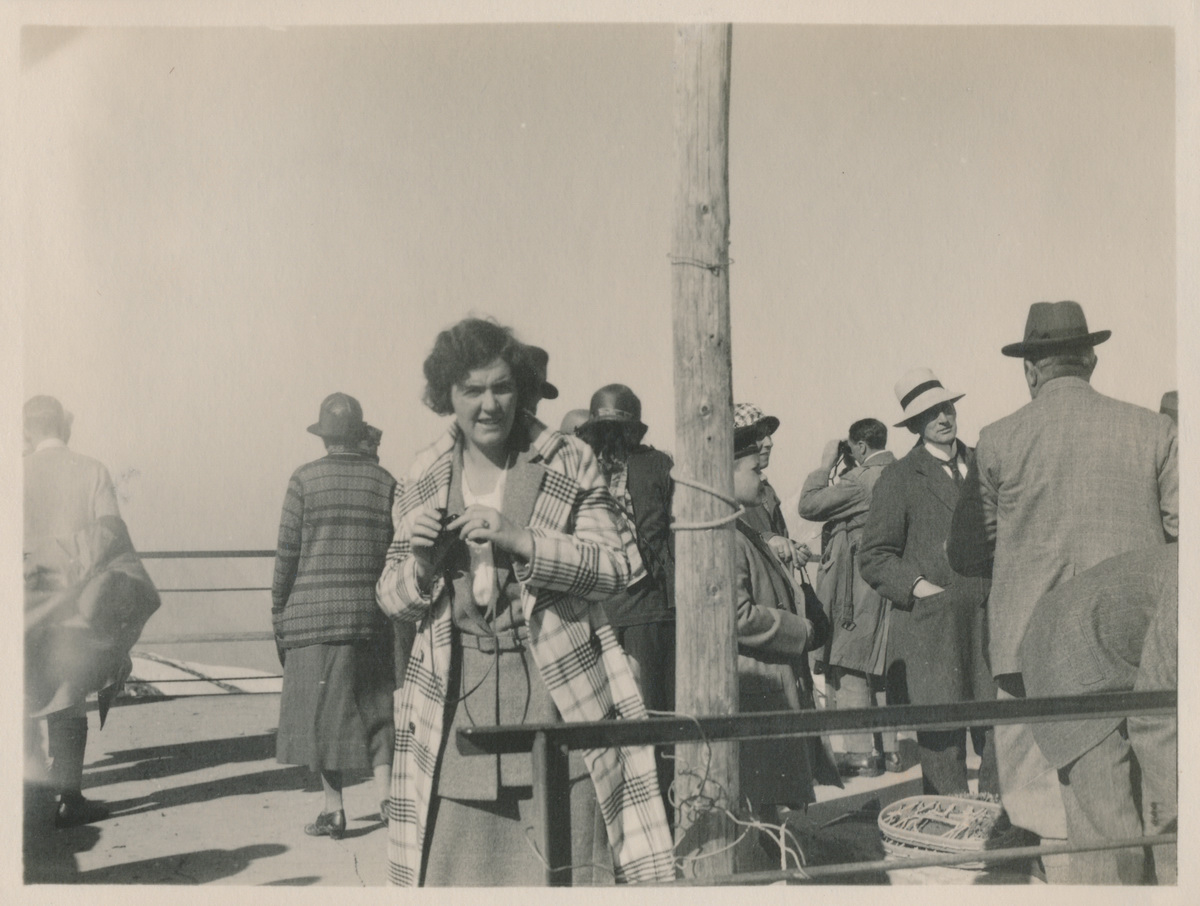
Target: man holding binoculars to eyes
{"type": "Point", "coordinates": [839, 494]}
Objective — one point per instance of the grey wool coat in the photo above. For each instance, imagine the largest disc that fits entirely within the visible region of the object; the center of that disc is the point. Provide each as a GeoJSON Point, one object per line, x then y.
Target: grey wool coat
{"type": "Point", "coordinates": [935, 644]}
{"type": "Point", "coordinates": [839, 584]}
{"type": "Point", "coordinates": [1068, 480]}
{"type": "Point", "coordinates": [1089, 634]}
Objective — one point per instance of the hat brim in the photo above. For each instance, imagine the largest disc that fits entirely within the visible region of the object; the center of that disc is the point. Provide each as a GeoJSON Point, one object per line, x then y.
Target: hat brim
{"type": "Point", "coordinates": [1029, 349]}
{"type": "Point", "coordinates": [591, 424]}
{"type": "Point", "coordinates": [931, 399]}
{"type": "Point", "coordinates": [769, 424]}
{"type": "Point", "coordinates": [549, 391]}
{"type": "Point", "coordinates": [316, 429]}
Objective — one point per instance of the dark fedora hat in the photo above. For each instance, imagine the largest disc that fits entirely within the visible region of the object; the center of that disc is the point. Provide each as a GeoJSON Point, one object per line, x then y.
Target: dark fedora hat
{"type": "Point", "coordinates": [341, 418]}
{"type": "Point", "coordinates": [614, 404]}
{"type": "Point", "coordinates": [1054, 327]}
{"type": "Point", "coordinates": [539, 361]}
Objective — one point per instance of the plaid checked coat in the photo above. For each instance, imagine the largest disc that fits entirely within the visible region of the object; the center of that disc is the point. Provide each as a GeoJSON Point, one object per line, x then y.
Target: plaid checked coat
{"type": "Point", "coordinates": [578, 559]}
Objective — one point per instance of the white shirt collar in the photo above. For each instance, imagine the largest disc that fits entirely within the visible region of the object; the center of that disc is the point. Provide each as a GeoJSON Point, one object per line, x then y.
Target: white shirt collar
{"type": "Point", "coordinates": [48, 443]}
{"type": "Point", "coordinates": [938, 454]}
{"type": "Point", "coordinates": [872, 456]}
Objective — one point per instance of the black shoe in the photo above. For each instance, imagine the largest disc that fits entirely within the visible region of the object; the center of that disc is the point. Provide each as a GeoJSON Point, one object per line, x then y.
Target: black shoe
{"type": "Point", "coordinates": [892, 763]}
{"type": "Point", "coordinates": [328, 824]}
{"type": "Point", "coordinates": [73, 810]}
{"type": "Point", "coordinates": [859, 764]}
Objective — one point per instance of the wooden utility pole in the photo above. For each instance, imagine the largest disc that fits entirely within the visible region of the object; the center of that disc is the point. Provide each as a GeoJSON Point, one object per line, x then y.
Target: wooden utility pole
{"type": "Point", "coordinates": [706, 622]}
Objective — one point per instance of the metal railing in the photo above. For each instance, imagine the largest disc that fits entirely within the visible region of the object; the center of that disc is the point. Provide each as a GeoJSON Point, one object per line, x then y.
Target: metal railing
{"type": "Point", "coordinates": [208, 637]}
{"type": "Point", "coordinates": [550, 744]}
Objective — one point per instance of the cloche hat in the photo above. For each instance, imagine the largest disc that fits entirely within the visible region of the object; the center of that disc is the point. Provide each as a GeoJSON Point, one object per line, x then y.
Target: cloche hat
{"type": "Point", "coordinates": [614, 404]}
{"type": "Point", "coordinates": [340, 418]}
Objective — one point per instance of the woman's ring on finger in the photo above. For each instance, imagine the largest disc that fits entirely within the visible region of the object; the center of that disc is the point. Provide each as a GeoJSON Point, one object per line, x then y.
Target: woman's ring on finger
{"type": "Point", "coordinates": [486, 524]}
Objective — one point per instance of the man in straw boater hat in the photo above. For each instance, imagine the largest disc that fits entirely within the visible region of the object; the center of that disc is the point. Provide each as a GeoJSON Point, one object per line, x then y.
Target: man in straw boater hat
{"type": "Point", "coordinates": [1068, 480]}
{"type": "Point", "coordinates": [935, 636]}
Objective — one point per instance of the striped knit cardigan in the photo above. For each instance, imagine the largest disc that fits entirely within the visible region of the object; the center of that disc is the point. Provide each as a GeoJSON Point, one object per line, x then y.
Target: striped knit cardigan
{"type": "Point", "coordinates": [578, 559]}
{"type": "Point", "coordinates": [333, 536]}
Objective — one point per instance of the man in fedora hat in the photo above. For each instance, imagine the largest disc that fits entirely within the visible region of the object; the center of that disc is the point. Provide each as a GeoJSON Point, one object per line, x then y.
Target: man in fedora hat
{"type": "Point", "coordinates": [1068, 480]}
{"type": "Point", "coordinates": [935, 633]}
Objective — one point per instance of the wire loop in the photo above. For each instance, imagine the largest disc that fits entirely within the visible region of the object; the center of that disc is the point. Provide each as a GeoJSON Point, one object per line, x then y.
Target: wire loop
{"type": "Point", "coordinates": [712, 523]}
{"type": "Point", "coordinates": [714, 269]}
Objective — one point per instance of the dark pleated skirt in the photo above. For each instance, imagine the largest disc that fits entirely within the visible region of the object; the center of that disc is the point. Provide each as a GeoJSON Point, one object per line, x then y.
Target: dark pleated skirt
{"type": "Point", "coordinates": [335, 711]}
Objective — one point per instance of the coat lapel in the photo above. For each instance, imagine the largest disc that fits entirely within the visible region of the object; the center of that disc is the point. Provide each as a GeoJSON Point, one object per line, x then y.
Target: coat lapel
{"type": "Point", "coordinates": [788, 584]}
{"type": "Point", "coordinates": [521, 489]}
{"type": "Point", "coordinates": [941, 485]}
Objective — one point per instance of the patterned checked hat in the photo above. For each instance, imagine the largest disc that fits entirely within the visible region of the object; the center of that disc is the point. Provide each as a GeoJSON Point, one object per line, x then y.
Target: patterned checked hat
{"type": "Point", "coordinates": [749, 427]}
{"type": "Point", "coordinates": [748, 415]}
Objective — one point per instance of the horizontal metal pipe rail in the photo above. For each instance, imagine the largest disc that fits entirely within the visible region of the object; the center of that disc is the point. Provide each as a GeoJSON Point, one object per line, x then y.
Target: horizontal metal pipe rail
{"type": "Point", "coordinates": [203, 555]}
{"type": "Point", "coordinates": [211, 637]}
{"type": "Point", "coordinates": [772, 724]}
{"type": "Point", "coordinates": [817, 873]}
{"type": "Point", "coordinates": [550, 744]}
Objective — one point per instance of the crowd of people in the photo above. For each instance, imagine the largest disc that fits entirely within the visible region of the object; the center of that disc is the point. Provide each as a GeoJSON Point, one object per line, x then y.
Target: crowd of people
{"type": "Point", "coordinates": [522, 574]}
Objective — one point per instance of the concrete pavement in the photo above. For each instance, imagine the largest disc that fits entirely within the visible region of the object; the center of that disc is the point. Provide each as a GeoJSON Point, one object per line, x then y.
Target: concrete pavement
{"type": "Point", "coordinates": [197, 798]}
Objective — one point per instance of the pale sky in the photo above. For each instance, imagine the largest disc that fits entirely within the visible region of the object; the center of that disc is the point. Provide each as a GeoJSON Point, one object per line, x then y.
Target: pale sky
{"type": "Point", "coordinates": [223, 225]}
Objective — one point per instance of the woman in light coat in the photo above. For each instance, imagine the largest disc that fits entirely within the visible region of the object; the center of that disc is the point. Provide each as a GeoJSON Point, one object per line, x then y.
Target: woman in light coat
{"type": "Point", "coordinates": [506, 542]}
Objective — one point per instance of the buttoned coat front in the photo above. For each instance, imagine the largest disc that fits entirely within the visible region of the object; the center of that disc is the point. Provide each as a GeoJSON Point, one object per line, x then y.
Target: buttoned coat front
{"type": "Point", "coordinates": [935, 652]}
{"type": "Point", "coordinates": [1068, 480]}
{"type": "Point", "coordinates": [578, 560]}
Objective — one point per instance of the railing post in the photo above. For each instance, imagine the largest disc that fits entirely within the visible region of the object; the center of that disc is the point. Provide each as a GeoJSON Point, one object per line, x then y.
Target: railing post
{"type": "Point", "coordinates": [552, 806]}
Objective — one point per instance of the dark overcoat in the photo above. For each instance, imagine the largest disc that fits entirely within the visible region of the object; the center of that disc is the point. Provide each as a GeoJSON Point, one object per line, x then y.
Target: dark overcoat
{"type": "Point", "coordinates": [935, 644]}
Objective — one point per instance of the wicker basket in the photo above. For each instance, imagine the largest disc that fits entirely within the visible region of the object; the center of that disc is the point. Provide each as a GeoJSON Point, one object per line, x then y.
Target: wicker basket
{"type": "Point", "coordinates": [943, 825]}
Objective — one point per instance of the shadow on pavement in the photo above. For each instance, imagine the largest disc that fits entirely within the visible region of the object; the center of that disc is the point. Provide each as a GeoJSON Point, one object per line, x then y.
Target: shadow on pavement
{"type": "Point", "coordinates": [256, 783]}
{"type": "Point", "coordinates": [199, 867]}
{"type": "Point", "coordinates": [49, 854]}
{"type": "Point", "coordinates": [152, 762]}
{"type": "Point", "coordinates": [853, 837]}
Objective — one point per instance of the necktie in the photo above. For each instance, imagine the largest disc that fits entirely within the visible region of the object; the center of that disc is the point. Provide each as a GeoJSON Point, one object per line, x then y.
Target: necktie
{"type": "Point", "coordinates": [954, 473]}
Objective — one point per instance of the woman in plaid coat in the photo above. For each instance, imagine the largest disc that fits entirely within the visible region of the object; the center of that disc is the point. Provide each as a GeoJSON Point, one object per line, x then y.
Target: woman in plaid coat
{"type": "Point", "coordinates": [506, 541]}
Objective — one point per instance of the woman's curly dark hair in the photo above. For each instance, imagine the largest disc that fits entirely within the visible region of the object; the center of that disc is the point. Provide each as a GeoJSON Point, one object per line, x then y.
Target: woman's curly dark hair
{"type": "Point", "coordinates": [470, 344]}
